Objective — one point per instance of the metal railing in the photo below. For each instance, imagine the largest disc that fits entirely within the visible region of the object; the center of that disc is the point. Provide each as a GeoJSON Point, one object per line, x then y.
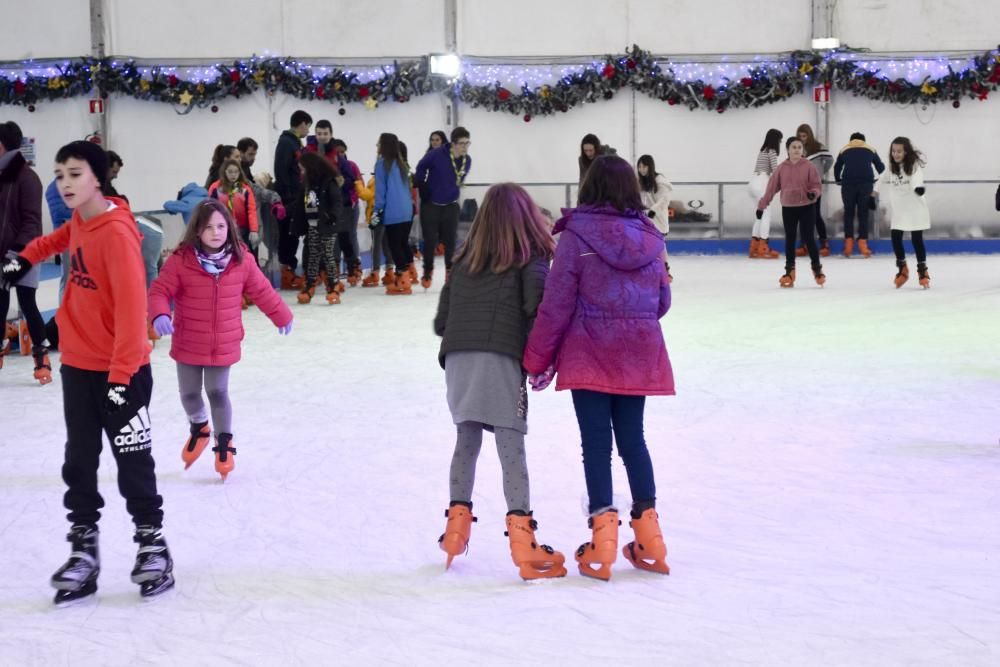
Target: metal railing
{"type": "Point", "coordinates": [960, 208]}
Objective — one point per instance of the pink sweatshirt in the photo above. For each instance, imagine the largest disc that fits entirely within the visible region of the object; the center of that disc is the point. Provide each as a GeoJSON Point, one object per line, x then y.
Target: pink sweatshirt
{"type": "Point", "coordinates": [793, 181]}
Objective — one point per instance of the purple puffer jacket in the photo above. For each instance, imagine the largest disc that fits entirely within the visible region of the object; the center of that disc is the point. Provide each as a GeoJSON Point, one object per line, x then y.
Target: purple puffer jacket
{"type": "Point", "coordinates": [598, 323]}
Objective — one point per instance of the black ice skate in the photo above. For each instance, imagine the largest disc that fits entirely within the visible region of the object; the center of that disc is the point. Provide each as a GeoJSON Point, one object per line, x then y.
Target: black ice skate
{"type": "Point", "coordinates": [154, 567]}
{"type": "Point", "coordinates": [77, 579]}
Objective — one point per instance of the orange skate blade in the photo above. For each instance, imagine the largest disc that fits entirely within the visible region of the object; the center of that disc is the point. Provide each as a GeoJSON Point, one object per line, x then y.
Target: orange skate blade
{"type": "Point", "coordinates": [602, 572]}
{"type": "Point", "coordinates": [649, 564]}
{"type": "Point", "coordinates": [541, 570]}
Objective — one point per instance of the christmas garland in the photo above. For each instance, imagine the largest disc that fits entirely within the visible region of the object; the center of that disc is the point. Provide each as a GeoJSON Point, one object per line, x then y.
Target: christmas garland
{"type": "Point", "coordinates": [757, 84]}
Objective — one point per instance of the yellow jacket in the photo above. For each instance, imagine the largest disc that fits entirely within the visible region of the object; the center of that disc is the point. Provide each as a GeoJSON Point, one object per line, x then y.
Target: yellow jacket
{"type": "Point", "coordinates": [367, 195]}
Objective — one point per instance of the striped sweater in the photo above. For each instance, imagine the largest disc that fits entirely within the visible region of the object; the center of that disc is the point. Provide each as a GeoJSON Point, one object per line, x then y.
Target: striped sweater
{"type": "Point", "coordinates": [767, 162]}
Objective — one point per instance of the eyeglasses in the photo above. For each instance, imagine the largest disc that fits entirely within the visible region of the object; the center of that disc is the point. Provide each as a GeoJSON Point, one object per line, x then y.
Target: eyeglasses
{"type": "Point", "coordinates": [463, 142]}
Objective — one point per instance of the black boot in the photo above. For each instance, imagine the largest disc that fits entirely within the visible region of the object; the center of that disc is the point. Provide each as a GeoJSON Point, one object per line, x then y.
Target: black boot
{"type": "Point", "coordinates": [154, 567]}
{"type": "Point", "coordinates": [77, 578]}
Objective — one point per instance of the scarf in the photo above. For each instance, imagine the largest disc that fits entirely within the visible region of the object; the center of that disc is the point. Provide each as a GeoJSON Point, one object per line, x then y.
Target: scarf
{"type": "Point", "coordinates": [214, 263]}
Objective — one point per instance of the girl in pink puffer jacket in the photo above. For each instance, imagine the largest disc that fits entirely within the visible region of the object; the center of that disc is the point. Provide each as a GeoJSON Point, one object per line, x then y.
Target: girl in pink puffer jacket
{"type": "Point", "coordinates": [205, 279]}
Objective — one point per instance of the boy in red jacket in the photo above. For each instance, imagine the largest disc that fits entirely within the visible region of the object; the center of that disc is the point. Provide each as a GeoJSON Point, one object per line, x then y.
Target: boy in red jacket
{"type": "Point", "coordinates": [106, 378]}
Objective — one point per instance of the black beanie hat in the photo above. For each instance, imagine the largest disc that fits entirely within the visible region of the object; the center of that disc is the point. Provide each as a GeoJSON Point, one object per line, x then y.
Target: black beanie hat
{"type": "Point", "coordinates": [93, 154]}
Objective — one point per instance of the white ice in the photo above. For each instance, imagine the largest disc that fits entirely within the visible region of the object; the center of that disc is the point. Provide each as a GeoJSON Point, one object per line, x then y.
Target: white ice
{"type": "Point", "coordinates": [827, 474]}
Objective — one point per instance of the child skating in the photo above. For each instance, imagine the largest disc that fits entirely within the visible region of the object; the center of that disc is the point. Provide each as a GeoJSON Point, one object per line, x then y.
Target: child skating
{"type": "Point", "coordinates": [598, 328]}
{"type": "Point", "coordinates": [904, 182]}
{"type": "Point", "coordinates": [205, 279]}
{"type": "Point", "coordinates": [797, 181]}
{"type": "Point", "coordinates": [106, 378]}
{"type": "Point", "coordinates": [485, 313]}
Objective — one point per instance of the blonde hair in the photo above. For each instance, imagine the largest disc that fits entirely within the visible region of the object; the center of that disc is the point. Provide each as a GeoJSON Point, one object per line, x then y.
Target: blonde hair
{"type": "Point", "coordinates": [509, 230]}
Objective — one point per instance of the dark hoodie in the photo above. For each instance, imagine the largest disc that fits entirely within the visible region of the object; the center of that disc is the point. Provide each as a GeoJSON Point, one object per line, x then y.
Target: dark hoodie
{"type": "Point", "coordinates": [855, 162]}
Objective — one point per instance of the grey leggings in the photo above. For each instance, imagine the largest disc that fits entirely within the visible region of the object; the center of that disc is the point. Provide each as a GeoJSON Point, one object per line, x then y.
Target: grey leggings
{"type": "Point", "coordinates": [510, 447]}
{"type": "Point", "coordinates": [189, 380]}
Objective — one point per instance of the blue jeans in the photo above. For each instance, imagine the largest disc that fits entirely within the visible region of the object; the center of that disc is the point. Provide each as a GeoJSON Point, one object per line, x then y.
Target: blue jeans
{"type": "Point", "coordinates": [598, 415]}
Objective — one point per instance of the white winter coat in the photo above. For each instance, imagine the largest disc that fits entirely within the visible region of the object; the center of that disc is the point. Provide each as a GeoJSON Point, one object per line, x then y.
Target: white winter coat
{"type": "Point", "coordinates": [910, 212]}
{"type": "Point", "coordinates": [659, 202]}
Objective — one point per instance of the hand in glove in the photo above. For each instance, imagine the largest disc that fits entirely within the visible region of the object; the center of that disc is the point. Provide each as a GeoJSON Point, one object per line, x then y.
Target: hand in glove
{"type": "Point", "coordinates": [542, 380]}
{"type": "Point", "coordinates": [759, 214]}
{"type": "Point", "coordinates": [254, 239]}
{"type": "Point", "coordinates": [116, 397]}
{"type": "Point", "coordinates": [811, 196]}
{"type": "Point", "coordinates": [873, 203]}
{"type": "Point", "coordinates": [13, 270]}
{"type": "Point", "coordinates": [279, 211]}
{"type": "Point", "coordinates": [162, 325]}
{"type": "Point", "coordinates": [920, 191]}
{"type": "Point", "coordinates": [650, 214]}
{"type": "Point", "coordinates": [285, 330]}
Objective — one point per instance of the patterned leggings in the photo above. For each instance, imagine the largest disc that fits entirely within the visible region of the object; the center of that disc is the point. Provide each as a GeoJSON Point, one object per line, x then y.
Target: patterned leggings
{"type": "Point", "coordinates": [510, 447]}
{"type": "Point", "coordinates": [322, 250]}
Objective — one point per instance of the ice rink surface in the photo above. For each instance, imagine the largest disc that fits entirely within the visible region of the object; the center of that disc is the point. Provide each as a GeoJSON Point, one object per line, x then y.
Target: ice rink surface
{"type": "Point", "coordinates": [828, 485]}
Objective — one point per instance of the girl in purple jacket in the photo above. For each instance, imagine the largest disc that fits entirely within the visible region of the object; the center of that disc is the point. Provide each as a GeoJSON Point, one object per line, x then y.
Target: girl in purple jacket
{"type": "Point", "coordinates": [205, 279]}
{"type": "Point", "coordinates": [598, 331]}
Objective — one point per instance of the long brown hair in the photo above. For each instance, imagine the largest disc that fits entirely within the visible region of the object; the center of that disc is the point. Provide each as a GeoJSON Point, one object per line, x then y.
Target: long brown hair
{"type": "Point", "coordinates": [223, 181]}
{"type": "Point", "coordinates": [509, 230]}
{"type": "Point", "coordinates": [610, 181]}
{"type": "Point", "coordinates": [318, 170]}
{"type": "Point", "coordinates": [911, 156]}
{"type": "Point", "coordinates": [199, 220]}
{"type": "Point", "coordinates": [810, 144]}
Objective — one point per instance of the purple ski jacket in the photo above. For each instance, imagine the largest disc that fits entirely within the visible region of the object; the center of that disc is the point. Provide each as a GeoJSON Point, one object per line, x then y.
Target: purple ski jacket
{"type": "Point", "coordinates": [598, 323]}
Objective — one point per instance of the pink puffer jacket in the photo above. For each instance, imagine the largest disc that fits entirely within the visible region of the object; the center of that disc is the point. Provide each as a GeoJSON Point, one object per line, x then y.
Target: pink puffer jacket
{"type": "Point", "coordinates": [208, 316]}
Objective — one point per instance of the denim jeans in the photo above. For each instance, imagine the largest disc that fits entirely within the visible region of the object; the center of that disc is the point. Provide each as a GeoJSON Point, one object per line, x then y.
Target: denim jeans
{"type": "Point", "coordinates": [599, 415]}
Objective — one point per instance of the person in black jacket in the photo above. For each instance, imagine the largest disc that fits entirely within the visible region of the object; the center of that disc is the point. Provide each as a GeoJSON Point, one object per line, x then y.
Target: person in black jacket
{"type": "Point", "coordinates": [288, 184]}
{"type": "Point", "coordinates": [324, 210]}
{"type": "Point", "coordinates": [485, 311]}
{"type": "Point", "coordinates": [853, 172]}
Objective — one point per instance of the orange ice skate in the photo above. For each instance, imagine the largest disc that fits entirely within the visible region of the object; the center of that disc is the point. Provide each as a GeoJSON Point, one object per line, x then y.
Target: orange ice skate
{"type": "Point", "coordinates": [602, 550]}
{"type": "Point", "coordinates": [647, 552]}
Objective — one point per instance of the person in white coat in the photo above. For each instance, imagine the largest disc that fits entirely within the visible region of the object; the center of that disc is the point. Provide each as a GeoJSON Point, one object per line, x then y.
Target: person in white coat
{"type": "Point", "coordinates": [654, 190]}
{"type": "Point", "coordinates": [903, 181]}
{"type": "Point", "coordinates": [767, 162]}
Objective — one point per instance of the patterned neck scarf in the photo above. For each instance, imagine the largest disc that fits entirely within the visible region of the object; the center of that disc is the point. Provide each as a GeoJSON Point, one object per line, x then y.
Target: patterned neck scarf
{"type": "Point", "coordinates": [214, 263]}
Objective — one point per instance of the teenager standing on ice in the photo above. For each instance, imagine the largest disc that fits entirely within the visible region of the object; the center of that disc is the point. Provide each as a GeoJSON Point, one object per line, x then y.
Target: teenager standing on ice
{"type": "Point", "coordinates": [439, 177]}
{"type": "Point", "coordinates": [325, 212]}
{"type": "Point", "coordinates": [106, 379]}
{"type": "Point", "coordinates": [904, 181]}
{"type": "Point", "coordinates": [485, 313]}
{"type": "Point", "coordinates": [799, 185]}
{"type": "Point", "coordinates": [233, 190]}
{"type": "Point", "coordinates": [205, 279]}
{"type": "Point", "coordinates": [767, 162]}
{"type": "Point", "coordinates": [655, 189]}
{"type": "Point", "coordinates": [393, 207]}
{"type": "Point", "coordinates": [820, 158]}
{"type": "Point", "coordinates": [853, 172]}
{"type": "Point", "coordinates": [598, 329]}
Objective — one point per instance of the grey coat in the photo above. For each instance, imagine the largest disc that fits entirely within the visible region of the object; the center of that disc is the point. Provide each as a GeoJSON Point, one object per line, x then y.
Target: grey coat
{"type": "Point", "coordinates": [489, 312]}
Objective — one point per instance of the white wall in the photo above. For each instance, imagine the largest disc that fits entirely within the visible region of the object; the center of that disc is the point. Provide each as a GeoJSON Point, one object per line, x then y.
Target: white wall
{"type": "Point", "coordinates": [163, 150]}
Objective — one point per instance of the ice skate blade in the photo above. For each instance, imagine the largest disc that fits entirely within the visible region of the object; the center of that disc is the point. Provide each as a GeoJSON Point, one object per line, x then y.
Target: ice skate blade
{"type": "Point", "coordinates": [603, 572]}
{"type": "Point", "coordinates": [152, 589]}
{"type": "Point", "coordinates": [531, 572]}
{"type": "Point", "coordinates": [649, 565]}
{"type": "Point", "coordinates": [65, 598]}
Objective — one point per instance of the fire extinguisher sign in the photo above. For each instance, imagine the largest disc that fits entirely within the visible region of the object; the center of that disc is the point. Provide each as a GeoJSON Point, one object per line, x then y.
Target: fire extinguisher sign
{"type": "Point", "coordinates": [97, 106]}
{"type": "Point", "coordinates": [821, 94]}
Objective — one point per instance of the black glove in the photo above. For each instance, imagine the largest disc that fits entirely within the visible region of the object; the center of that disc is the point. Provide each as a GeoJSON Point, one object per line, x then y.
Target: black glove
{"type": "Point", "coordinates": [759, 214]}
{"type": "Point", "coordinates": [13, 270]}
{"type": "Point", "coordinates": [811, 196]}
{"type": "Point", "coordinates": [873, 203]}
{"type": "Point", "coordinates": [920, 191]}
{"type": "Point", "coordinates": [651, 214]}
{"type": "Point", "coordinates": [116, 397]}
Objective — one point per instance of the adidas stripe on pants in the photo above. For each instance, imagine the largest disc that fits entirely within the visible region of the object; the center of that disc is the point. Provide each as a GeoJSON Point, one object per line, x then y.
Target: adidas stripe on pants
{"type": "Point", "coordinates": [129, 433]}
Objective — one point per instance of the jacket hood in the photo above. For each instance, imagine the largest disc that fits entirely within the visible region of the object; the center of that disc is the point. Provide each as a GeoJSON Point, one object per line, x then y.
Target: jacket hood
{"type": "Point", "coordinates": [856, 143]}
{"type": "Point", "coordinates": [120, 215]}
{"type": "Point", "coordinates": [13, 168]}
{"type": "Point", "coordinates": [626, 241]}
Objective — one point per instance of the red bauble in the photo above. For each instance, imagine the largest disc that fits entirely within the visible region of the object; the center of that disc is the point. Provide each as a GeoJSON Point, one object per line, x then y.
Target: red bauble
{"type": "Point", "coordinates": [746, 81]}
{"type": "Point", "coordinates": [721, 109]}
{"type": "Point", "coordinates": [320, 93]}
{"type": "Point", "coordinates": [671, 101]}
{"type": "Point", "coordinates": [172, 80]}
{"type": "Point", "coordinates": [708, 93]}
{"type": "Point", "coordinates": [995, 77]}
{"type": "Point", "coordinates": [895, 87]}
{"type": "Point", "coordinates": [19, 87]}
{"type": "Point", "coordinates": [234, 76]}
{"type": "Point", "coordinates": [215, 109]}
{"type": "Point", "coordinates": [503, 94]}
{"type": "Point", "coordinates": [527, 118]}
{"type": "Point", "coordinates": [608, 72]}
{"type": "Point", "coordinates": [363, 91]}
{"type": "Point", "coordinates": [872, 82]}
{"type": "Point", "coordinates": [630, 63]}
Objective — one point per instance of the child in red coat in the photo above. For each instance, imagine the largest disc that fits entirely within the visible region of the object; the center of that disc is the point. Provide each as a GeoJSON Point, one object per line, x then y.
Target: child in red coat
{"type": "Point", "coordinates": [205, 279]}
